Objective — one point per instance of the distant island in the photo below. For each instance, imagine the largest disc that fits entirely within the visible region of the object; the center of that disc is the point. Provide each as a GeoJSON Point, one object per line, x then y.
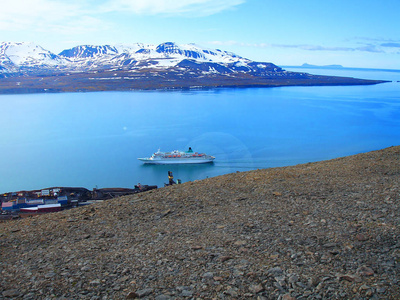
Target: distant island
{"type": "Point", "coordinates": [338, 67]}
{"type": "Point", "coordinates": [28, 68]}
{"type": "Point", "coordinates": [305, 65]}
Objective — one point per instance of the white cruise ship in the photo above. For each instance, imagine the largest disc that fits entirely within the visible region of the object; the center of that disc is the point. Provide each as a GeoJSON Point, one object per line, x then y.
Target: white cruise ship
{"type": "Point", "coordinates": [178, 157]}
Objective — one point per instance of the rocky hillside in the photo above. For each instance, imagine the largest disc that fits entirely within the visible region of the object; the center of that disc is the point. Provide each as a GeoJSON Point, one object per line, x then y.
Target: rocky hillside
{"type": "Point", "coordinates": [325, 230]}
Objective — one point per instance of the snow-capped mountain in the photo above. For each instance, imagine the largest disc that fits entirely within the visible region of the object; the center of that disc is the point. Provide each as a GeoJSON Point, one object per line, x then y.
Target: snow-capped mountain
{"type": "Point", "coordinates": [27, 57]}
{"type": "Point", "coordinates": [141, 52]}
{"type": "Point", "coordinates": [28, 68]}
{"type": "Point", "coordinates": [31, 59]}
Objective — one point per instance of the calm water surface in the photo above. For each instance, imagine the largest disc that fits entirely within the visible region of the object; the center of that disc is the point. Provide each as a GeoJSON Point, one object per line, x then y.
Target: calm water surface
{"type": "Point", "coordinates": [94, 139]}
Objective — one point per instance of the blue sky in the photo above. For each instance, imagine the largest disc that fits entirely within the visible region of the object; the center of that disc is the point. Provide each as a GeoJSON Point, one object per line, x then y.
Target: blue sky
{"type": "Point", "coordinates": [353, 33]}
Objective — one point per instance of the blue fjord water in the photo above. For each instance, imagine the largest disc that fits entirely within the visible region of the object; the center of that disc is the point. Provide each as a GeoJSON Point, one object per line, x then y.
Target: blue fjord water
{"type": "Point", "coordinates": [94, 139]}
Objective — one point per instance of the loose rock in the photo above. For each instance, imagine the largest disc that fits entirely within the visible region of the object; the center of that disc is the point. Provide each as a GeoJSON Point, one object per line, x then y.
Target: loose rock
{"type": "Point", "coordinates": [331, 233]}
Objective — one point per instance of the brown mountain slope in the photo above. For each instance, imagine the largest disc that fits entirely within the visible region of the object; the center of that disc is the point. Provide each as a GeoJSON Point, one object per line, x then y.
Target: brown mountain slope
{"type": "Point", "coordinates": [326, 230]}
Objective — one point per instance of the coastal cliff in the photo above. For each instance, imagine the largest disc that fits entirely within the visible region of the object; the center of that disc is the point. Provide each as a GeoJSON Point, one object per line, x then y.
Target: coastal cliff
{"type": "Point", "coordinates": [324, 230]}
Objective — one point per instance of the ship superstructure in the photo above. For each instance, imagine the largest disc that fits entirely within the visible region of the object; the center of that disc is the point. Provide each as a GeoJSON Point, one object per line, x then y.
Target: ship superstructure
{"type": "Point", "coordinates": [178, 157]}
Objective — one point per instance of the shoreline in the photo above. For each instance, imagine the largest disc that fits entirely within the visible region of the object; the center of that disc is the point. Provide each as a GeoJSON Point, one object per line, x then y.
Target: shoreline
{"type": "Point", "coordinates": [325, 229]}
{"type": "Point", "coordinates": [147, 165]}
{"type": "Point", "coordinates": [122, 81]}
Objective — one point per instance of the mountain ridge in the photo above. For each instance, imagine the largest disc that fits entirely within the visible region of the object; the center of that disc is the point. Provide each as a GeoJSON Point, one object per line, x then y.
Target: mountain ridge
{"type": "Point", "coordinates": [23, 56]}
{"type": "Point", "coordinates": [29, 68]}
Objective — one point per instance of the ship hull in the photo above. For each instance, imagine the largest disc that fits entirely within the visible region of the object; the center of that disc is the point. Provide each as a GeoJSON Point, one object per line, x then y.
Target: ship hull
{"type": "Point", "coordinates": [171, 161]}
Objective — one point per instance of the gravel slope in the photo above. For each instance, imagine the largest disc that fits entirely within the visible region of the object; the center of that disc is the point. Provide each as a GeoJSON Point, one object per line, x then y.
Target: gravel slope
{"type": "Point", "coordinates": [325, 230]}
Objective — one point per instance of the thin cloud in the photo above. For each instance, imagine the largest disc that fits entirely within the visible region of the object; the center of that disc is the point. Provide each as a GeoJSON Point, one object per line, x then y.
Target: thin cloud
{"type": "Point", "coordinates": [236, 43]}
{"type": "Point", "coordinates": [365, 48]}
{"type": "Point", "coordinates": [391, 45]}
{"type": "Point", "coordinates": [370, 48]}
{"type": "Point", "coordinates": [377, 45]}
{"type": "Point", "coordinates": [313, 47]}
{"type": "Point", "coordinates": [171, 7]}
{"type": "Point", "coordinates": [87, 15]}
{"type": "Point", "coordinates": [369, 39]}
{"type": "Point", "coordinates": [41, 15]}
{"type": "Point", "coordinates": [40, 10]}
